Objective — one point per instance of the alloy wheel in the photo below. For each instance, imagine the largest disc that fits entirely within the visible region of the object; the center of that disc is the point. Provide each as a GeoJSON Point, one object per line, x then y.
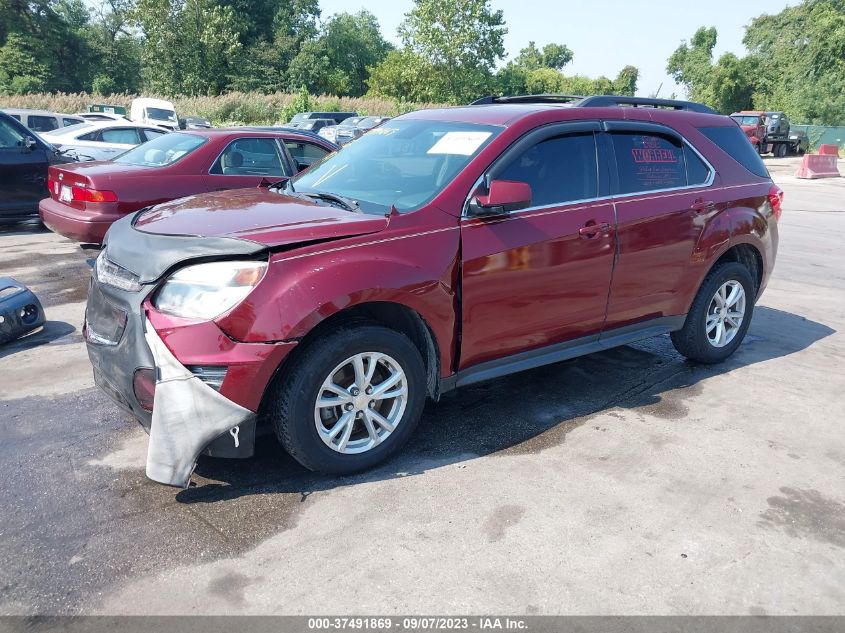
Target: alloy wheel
{"type": "Point", "coordinates": [725, 313]}
{"type": "Point", "coordinates": [361, 402]}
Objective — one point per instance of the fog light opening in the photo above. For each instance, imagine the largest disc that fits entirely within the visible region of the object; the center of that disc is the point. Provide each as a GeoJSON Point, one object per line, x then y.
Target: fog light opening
{"type": "Point", "coordinates": [144, 386]}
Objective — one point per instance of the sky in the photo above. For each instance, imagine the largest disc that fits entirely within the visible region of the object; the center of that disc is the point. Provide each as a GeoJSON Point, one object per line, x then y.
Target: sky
{"type": "Point", "coordinates": [604, 35]}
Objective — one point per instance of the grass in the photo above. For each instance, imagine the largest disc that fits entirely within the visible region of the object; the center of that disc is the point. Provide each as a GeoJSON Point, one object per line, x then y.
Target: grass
{"type": "Point", "coordinates": [234, 108]}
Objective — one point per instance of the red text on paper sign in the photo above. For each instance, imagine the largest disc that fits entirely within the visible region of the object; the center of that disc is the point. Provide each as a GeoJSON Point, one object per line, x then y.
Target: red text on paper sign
{"type": "Point", "coordinates": [653, 155]}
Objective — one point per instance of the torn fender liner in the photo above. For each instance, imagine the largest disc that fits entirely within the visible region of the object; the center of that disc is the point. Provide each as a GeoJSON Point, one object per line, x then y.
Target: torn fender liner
{"type": "Point", "coordinates": [187, 415]}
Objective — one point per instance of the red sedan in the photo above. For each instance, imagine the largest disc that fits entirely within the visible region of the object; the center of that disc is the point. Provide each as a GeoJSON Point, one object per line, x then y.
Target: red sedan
{"type": "Point", "coordinates": [85, 198]}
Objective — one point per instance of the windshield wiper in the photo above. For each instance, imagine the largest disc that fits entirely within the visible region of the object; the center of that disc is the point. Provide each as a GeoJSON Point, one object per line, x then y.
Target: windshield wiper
{"type": "Point", "coordinates": [346, 203]}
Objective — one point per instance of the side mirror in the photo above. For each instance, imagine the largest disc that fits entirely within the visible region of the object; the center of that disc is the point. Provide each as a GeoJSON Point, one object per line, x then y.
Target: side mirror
{"type": "Point", "coordinates": [29, 144]}
{"type": "Point", "coordinates": [503, 196]}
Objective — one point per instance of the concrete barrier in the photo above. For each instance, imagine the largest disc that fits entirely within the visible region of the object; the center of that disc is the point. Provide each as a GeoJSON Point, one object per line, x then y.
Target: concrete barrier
{"type": "Point", "coordinates": [818, 166]}
{"type": "Point", "coordinates": [829, 150]}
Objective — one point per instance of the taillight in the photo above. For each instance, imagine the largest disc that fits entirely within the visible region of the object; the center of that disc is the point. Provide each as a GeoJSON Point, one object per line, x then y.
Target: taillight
{"type": "Point", "coordinates": [83, 194]}
{"type": "Point", "coordinates": [776, 200]}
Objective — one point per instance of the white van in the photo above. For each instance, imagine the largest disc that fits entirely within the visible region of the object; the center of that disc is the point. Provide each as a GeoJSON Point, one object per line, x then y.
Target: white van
{"type": "Point", "coordinates": [154, 112]}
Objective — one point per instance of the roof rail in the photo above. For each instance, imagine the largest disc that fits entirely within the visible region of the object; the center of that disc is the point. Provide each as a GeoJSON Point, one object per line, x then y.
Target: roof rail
{"type": "Point", "coordinates": [600, 101]}
{"type": "Point", "coordinates": [609, 101]}
{"type": "Point", "coordinates": [543, 98]}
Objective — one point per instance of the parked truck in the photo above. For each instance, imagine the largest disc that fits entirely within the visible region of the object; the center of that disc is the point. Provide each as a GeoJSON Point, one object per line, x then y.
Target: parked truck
{"type": "Point", "coordinates": [770, 132]}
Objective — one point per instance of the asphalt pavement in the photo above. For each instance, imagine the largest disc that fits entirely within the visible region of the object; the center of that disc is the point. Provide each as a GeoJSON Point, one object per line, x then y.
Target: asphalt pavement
{"type": "Point", "coordinates": [625, 482]}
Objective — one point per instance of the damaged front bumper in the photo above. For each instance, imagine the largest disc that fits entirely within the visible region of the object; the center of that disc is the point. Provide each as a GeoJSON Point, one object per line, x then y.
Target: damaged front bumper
{"type": "Point", "coordinates": [188, 415]}
{"type": "Point", "coordinates": [193, 388]}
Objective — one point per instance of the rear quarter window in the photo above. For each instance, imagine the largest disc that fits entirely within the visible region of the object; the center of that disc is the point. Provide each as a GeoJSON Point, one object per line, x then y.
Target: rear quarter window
{"type": "Point", "coordinates": [735, 144]}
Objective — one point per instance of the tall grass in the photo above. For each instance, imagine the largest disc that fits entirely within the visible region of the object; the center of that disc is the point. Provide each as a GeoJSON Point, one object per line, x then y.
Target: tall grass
{"type": "Point", "coordinates": [234, 108]}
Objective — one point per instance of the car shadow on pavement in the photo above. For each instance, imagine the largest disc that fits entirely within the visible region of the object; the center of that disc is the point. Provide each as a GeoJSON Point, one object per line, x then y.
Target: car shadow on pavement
{"type": "Point", "coordinates": [50, 332]}
{"type": "Point", "coordinates": [522, 413]}
{"type": "Point", "coordinates": [22, 227]}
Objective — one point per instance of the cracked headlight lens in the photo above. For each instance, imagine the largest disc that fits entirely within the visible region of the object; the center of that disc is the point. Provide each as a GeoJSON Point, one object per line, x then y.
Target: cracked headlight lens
{"type": "Point", "coordinates": [206, 291]}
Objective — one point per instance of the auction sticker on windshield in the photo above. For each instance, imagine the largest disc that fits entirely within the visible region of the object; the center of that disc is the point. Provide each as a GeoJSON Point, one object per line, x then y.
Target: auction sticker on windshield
{"type": "Point", "coordinates": [462, 143]}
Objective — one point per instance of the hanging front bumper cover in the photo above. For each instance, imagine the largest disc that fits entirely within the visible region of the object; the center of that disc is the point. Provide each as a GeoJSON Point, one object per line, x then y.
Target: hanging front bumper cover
{"type": "Point", "coordinates": [187, 416]}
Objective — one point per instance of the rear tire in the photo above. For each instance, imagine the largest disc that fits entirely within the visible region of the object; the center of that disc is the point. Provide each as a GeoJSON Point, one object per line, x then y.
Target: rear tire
{"type": "Point", "coordinates": [720, 315]}
{"type": "Point", "coordinates": [326, 392]}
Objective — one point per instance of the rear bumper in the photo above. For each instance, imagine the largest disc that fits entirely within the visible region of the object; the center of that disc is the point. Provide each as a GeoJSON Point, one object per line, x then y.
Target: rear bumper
{"type": "Point", "coordinates": [83, 226]}
{"type": "Point", "coordinates": [188, 416]}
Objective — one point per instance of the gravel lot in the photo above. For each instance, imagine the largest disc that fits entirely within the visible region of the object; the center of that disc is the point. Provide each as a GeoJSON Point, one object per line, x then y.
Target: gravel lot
{"type": "Point", "coordinates": [626, 482]}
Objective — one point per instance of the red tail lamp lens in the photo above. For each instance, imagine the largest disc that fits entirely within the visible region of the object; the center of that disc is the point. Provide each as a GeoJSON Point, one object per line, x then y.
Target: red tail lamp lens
{"type": "Point", "coordinates": [83, 194]}
{"type": "Point", "coordinates": [776, 200]}
{"type": "Point", "coordinates": [144, 386]}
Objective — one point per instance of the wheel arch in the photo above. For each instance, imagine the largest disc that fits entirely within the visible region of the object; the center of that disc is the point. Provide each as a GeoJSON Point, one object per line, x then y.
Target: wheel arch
{"type": "Point", "coordinates": [746, 254]}
{"type": "Point", "coordinates": [393, 315]}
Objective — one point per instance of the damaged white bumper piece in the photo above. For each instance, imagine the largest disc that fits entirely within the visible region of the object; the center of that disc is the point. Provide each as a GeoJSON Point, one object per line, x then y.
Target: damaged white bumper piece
{"type": "Point", "coordinates": [187, 416]}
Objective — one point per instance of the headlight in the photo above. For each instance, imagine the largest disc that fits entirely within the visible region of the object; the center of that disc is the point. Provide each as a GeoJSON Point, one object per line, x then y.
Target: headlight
{"type": "Point", "coordinates": [111, 274]}
{"type": "Point", "coordinates": [206, 291]}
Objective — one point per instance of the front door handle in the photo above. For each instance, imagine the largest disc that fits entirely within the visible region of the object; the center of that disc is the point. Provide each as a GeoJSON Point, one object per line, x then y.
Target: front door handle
{"type": "Point", "coordinates": [591, 229]}
{"type": "Point", "coordinates": [701, 205]}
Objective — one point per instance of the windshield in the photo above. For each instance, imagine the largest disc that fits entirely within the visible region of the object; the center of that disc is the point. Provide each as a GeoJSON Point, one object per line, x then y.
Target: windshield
{"type": "Point", "coordinates": [747, 120]}
{"type": "Point", "coordinates": [302, 116]}
{"type": "Point", "coordinates": [369, 122]}
{"type": "Point", "coordinates": [160, 114]}
{"type": "Point", "coordinates": [164, 150]}
{"type": "Point", "coordinates": [352, 121]}
{"type": "Point", "coordinates": [403, 163]}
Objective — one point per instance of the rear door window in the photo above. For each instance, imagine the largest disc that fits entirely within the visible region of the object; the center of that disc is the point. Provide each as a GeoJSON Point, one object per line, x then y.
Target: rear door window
{"type": "Point", "coordinates": [150, 134]}
{"type": "Point", "coordinates": [250, 157]}
{"type": "Point", "coordinates": [121, 136]}
{"type": "Point", "coordinates": [735, 144]}
{"type": "Point", "coordinates": [649, 162]}
{"type": "Point", "coordinates": [558, 170]}
{"type": "Point", "coordinates": [38, 123]}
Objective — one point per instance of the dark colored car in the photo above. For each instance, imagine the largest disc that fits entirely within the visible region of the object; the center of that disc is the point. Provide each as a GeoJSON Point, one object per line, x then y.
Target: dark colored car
{"type": "Point", "coordinates": [313, 125]}
{"type": "Point", "coordinates": [444, 248]}
{"type": "Point", "coordinates": [777, 124]}
{"type": "Point", "coordinates": [194, 123]}
{"type": "Point", "coordinates": [86, 198]}
{"type": "Point", "coordinates": [24, 159]}
{"type": "Point", "coordinates": [337, 117]}
{"type": "Point", "coordinates": [346, 133]}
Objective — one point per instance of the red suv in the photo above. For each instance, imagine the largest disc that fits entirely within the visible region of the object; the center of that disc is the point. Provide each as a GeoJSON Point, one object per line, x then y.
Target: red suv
{"type": "Point", "coordinates": [443, 248]}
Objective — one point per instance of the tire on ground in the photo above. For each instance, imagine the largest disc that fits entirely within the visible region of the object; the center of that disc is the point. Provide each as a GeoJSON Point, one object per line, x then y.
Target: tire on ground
{"type": "Point", "coordinates": [691, 341]}
{"type": "Point", "coordinates": [292, 399]}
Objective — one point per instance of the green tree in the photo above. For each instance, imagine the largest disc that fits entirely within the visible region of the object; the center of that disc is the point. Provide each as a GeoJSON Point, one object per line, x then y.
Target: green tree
{"type": "Point", "coordinates": [726, 85]}
{"type": "Point", "coordinates": [403, 76]}
{"type": "Point", "coordinates": [626, 81]}
{"type": "Point", "coordinates": [20, 70]}
{"type": "Point", "coordinates": [460, 40]}
{"type": "Point", "coordinates": [353, 43]}
{"type": "Point", "coordinates": [513, 78]}
{"type": "Point", "coordinates": [187, 45]}
{"type": "Point", "coordinates": [798, 57]}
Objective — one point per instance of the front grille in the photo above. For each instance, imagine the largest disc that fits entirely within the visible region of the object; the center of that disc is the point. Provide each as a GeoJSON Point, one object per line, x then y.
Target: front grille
{"type": "Point", "coordinates": [212, 375]}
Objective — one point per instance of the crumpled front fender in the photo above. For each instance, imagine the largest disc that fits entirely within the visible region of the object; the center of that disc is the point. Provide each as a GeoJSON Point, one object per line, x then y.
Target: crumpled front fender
{"type": "Point", "coordinates": [187, 416]}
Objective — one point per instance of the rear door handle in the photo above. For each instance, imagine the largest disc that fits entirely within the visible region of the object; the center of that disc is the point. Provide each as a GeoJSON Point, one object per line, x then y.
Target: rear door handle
{"type": "Point", "coordinates": [702, 205]}
{"type": "Point", "coordinates": [591, 229]}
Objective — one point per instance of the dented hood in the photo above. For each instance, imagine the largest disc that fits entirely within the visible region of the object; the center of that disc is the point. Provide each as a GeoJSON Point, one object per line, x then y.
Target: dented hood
{"type": "Point", "coordinates": [259, 215]}
{"type": "Point", "coordinates": [244, 222]}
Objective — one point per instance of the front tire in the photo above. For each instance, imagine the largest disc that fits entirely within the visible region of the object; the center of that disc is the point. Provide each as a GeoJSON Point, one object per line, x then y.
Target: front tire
{"type": "Point", "coordinates": [350, 399]}
{"type": "Point", "coordinates": [720, 315]}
